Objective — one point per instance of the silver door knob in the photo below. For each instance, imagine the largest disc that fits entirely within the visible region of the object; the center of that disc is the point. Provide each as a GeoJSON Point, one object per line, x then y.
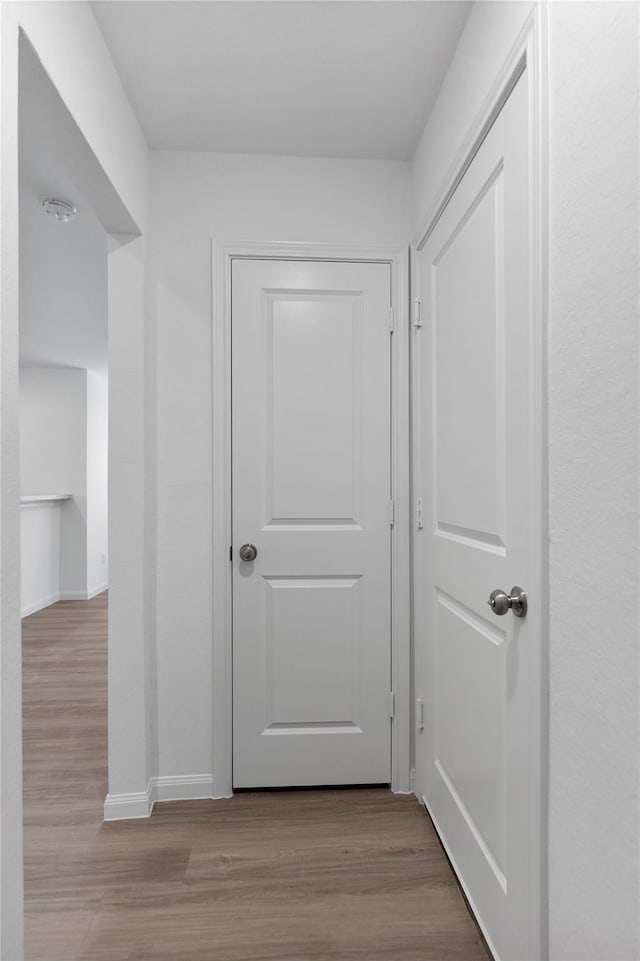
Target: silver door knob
{"type": "Point", "coordinates": [500, 603]}
{"type": "Point", "coordinates": [248, 552]}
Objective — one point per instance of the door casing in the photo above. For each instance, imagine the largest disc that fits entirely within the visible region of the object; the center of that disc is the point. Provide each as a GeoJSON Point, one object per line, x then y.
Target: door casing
{"type": "Point", "coordinates": [527, 60]}
{"type": "Point", "coordinates": [223, 255]}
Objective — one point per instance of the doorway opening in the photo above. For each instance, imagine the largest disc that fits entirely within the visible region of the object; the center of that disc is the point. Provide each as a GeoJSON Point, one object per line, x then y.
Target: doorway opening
{"type": "Point", "coordinates": [307, 256]}
{"type": "Point", "coordinates": [63, 357]}
{"type": "Point", "coordinates": [67, 211]}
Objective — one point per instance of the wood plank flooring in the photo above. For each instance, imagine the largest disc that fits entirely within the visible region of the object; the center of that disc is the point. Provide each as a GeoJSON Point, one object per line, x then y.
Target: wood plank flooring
{"type": "Point", "coordinates": [333, 875]}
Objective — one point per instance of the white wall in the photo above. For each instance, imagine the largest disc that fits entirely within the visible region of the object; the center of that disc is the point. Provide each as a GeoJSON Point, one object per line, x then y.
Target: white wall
{"type": "Point", "coordinates": [64, 450]}
{"type": "Point", "coordinates": [230, 197]}
{"type": "Point", "coordinates": [53, 458]}
{"type": "Point", "coordinates": [593, 444]}
{"type": "Point", "coordinates": [97, 447]}
{"type": "Point", "coordinates": [72, 50]}
{"type": "Point", "coordinates": [40, 559]}
{"type": "Point", "coordinates": [593, 481]}
{"type": "Point", "coordinates": [53, 420]}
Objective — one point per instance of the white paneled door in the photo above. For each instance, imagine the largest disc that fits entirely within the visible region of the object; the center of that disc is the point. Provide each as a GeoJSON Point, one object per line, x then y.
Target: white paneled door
{"type": "Point", "coordinates": [477, 468]}
{"type": "Point", "coordinates": [311, 495]}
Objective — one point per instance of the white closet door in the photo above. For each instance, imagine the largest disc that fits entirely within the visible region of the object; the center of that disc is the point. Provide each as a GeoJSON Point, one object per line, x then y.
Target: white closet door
{"type": "Point", "coordinates": [311, 488]}
{"type": "Point", "coordinates": [477, 671]}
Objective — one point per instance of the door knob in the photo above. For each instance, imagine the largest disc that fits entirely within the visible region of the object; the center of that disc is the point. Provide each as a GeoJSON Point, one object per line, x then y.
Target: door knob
{"type": "Point", "coordinates": [248, 552]}
{"type": "Point", "coordinates": [500, 603]}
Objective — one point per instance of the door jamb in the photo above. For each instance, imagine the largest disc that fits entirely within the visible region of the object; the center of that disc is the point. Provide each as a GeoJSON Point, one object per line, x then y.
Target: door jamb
{"type": "Point", "coordinates": [223, 254]}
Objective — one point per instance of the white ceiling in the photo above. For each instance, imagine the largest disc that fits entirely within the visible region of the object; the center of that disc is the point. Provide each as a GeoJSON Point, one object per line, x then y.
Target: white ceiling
{"type": "Point", "coordinates": [323, 78]}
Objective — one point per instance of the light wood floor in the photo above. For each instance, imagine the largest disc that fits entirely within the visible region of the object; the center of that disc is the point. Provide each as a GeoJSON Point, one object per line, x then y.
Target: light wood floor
{"type": "Point", "coordinates": [304, 875]}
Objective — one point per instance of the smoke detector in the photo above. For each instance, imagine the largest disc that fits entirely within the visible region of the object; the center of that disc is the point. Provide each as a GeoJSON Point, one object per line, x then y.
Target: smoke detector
{"type": "Point", "coordinates": [60, 209]}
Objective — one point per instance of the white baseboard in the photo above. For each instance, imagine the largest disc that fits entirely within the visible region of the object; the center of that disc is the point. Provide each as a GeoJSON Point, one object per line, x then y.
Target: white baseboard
{"type": "Point", "coordinates": [83, 595]}
{"type": "Point", "coordinates": [39, 605]}
{"type": "Point", "coordinates": [63, 596]}
{"type": "Point", "coordinates": [183, 787]}
{"type": "Point", "coordinates": [74, 596]}
{"type": "Point", "coordinates": [98, 589]}
{"type": "Point", "coordinates": [121, 807]}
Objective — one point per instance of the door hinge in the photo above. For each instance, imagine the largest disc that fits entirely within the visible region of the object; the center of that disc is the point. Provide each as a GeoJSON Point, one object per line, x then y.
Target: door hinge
{"type": "Point", "coordinates": [231, 553]}
{"type": "Point", "coordinates": [420, 713]}
{"type": "Point", "coordinates": [392, 512]}
{"type": "Point", "coordinates": [391, 319]}
{"type": "Point", "coordinates": [392, 703]}
{"type": "Point", "coordinates": [419, 514]}
{"type": "Point", "coordinates": [417, 313]}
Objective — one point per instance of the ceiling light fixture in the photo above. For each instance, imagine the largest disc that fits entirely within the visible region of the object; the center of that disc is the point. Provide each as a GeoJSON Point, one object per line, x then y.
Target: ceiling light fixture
{"type": "Point", "coordinates": [60, 209]}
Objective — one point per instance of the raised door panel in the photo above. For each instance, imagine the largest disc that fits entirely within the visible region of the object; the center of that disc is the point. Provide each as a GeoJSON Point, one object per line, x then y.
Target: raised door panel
{"type": "Point", "coordinates": [468, 365]}
{"type": "Point", "coordinates": [470, 717]}
{"type": "Point", "coordinates": [314, 434]}
{"type": "Point", "coordinates": [313, 639]}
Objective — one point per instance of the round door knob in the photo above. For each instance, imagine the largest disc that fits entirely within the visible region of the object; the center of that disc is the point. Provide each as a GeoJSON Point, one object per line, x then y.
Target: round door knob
{"type": "Point", "coordinates": [500, 602]}
{"type": "Point", "coordinates": [248, 552]}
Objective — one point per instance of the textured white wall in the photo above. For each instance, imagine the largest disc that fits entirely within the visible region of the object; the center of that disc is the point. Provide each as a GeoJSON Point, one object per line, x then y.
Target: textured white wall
{"type": "Point", "coordinates": [229, 197]}
{"type": "Point", "coordinates": [593, 481]}
{"type": "Point", "coordinates": [53, 457]}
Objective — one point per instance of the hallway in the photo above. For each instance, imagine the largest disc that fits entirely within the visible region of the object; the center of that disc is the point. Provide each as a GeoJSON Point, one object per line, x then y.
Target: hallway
{"type": "Point", "coordinates": [306, 875]}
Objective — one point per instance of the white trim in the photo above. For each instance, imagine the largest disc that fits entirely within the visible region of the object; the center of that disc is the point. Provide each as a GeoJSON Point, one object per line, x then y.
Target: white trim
{"type": "Point", "coordinates": [537, 49]}
{"type": "Point", "coordinates": [62, 596]}
{"type": "Point", "coordinates": [222, 584]}
{"type": "Point", "coordinates": [83, 595]}
{"type": "Point", "coordinates": [400, 541]}
{"type": "Point", "coordinates": [528, 55]}
{"type": "Point", "coordinates": [43, 500]}
{"type": "Point", "coordinates": [97, 589]}
{"type": "Point", "coordinates": [121, 807]}
{"type": "Point", "coordinates": [222, 255]}
{"type": "Point", "coordinates": [182, 787]}
{"type": "Point", "coordinates": [301, 250]}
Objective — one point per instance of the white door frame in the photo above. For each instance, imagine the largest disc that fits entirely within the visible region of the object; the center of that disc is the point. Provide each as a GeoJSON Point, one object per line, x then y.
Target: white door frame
{"type": "Point", "coordinates": [526, 60]}
{"type": "Point", "coordinates": [223, 254]}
